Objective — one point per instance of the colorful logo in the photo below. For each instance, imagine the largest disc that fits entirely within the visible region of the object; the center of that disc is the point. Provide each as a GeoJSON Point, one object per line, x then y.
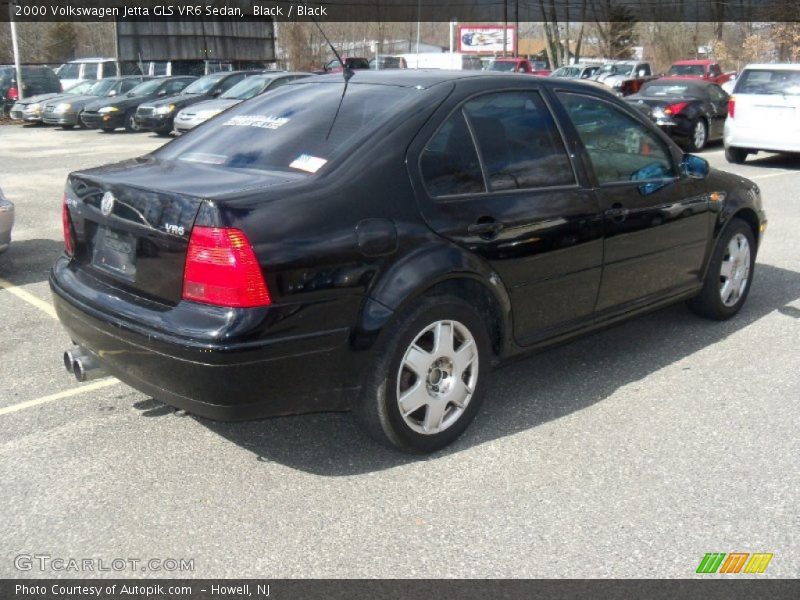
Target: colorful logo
{"type": "Point", "coordinates": [735, 562]}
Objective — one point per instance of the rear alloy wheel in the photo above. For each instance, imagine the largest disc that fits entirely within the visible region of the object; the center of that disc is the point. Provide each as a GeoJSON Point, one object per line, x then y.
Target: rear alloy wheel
{"type": "Point", "coordinates": [699, 136]}
{"type": "Point", "coordinates": [430, 376]}
{"type": "Point", "coordinates": [736, 156]}
{"type": "Point", "coordinates": [130, 124]}
{"type": "Point", "coordinates": [729, 274]}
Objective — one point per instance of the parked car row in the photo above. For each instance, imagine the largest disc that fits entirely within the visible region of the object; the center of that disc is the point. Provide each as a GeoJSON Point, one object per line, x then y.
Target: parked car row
{"type": "Point", "coordinates": [142, 102]}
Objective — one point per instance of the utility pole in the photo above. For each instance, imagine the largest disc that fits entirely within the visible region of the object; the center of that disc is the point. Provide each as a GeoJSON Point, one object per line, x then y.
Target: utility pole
{"type": "Point", "coordinates": [15, 46]}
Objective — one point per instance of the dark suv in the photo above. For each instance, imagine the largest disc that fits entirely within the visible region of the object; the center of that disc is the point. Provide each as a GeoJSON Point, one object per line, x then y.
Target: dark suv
{"type": "Point", "coordinates": [35, 80]}
{"type": "Point", "coordinates": [379, 245]}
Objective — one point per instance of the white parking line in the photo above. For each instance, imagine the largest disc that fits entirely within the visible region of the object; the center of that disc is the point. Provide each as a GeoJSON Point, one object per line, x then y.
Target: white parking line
{"type": "Point", "coordinates": [772, 174]}
{"type": "Point", "coordinates": [28, 297]}
{"type": "Point", "coordinates": [90, 387]}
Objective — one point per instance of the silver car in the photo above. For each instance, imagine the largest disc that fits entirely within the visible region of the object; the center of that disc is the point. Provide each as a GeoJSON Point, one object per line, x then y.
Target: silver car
{"type": "Point", "coordinates": [6, 222]}
{"type": "Point", "coordinates": [191, 116]}
{"type": "Point", "coordinates": [30, 109]}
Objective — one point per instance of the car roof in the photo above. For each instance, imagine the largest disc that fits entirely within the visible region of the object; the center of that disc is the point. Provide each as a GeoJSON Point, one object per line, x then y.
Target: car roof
{"type": "Point", "coordinates": [699, 61]}
{"type": "Point", "coordinates": [778, 66]}
{"type": "Point", "coordinates": [91, 60]}
{"type": "Point", "coordinates": [427, 78]}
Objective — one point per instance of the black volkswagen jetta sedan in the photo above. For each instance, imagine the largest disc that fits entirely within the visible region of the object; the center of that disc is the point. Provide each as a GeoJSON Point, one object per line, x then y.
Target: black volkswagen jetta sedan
{"type": "Point", "coordinates": [380, 245]}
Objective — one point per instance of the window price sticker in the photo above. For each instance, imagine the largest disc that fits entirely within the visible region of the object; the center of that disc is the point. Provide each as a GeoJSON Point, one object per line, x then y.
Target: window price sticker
{"type": "Point", "coordinates": [308, 163]}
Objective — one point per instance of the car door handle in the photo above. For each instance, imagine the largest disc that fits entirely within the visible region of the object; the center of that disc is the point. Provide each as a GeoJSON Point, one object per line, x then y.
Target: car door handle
{"type": "Point", "coordinates": [487, 228]}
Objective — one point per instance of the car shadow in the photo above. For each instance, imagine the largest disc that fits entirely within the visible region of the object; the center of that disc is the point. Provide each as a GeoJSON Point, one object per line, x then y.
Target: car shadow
{"type": "Point", "coordinates": [526, 393]}
{"type": "Point", "coordinates": [774, 161]}
{"type": "Point", "coordinates": [29, 261]}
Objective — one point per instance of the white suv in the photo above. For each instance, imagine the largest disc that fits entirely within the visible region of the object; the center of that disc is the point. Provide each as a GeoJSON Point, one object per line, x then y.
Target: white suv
{"type": "Point", "coordinates": [82, 69]}
{"type": "Point", "coordinates": [764, 111]}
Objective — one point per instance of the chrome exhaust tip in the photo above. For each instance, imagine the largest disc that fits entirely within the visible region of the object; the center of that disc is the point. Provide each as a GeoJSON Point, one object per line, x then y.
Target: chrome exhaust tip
{"type": "Point", "coordinates": [70, 356]}
{"type": "Point", "coordinates": [85, 368]}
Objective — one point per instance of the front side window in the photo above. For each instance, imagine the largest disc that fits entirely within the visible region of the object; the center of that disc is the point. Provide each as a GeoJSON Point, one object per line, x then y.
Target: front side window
{"type": "Point", "coordinates": [620, 147]}
{"type": "Point", "coordinates": [449, 163]}
{"type": "Point", "coordinates": [518, 141]}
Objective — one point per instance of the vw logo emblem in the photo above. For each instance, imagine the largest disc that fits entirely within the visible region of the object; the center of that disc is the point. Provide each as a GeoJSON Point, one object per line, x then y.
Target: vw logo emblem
{"type": "Point", "coordinates": [107, 203]}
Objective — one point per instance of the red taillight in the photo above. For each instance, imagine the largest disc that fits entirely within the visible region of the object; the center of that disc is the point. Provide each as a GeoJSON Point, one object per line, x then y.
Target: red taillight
{"type": "Point", "coordinates": [13, 94]}
{"type": "Point", "coordinates": [67, 230]}
{"type": "Point", "coordinates": [221, 269]}
{"type": "Point", "coordinates": [731, 106]}
{"type": "Point", "coordinates": [674, 109]}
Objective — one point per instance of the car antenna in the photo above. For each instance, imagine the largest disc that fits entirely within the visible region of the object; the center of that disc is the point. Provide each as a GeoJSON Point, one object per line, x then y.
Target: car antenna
{"type": "Point", "coordinates": [347, 71]}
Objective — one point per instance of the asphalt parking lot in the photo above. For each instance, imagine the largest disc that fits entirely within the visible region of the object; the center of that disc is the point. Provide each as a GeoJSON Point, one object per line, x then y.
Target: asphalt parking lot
{"type": "Point", "coordinates": [629, 453]}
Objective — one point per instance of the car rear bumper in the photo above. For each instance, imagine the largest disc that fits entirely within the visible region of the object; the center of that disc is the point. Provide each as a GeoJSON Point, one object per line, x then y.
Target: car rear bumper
{"type": "Point", "coordinates": [750, 138]}
{"type": "Point", "coordinates": [285, 374]}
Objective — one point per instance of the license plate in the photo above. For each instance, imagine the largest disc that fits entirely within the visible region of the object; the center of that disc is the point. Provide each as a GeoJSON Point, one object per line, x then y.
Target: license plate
{"type": "Point", "coordinates": [115, 252]}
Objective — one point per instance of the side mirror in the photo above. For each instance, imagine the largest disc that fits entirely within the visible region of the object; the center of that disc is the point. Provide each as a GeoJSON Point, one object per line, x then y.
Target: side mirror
{"type": "Point", "coordinates": [112, 93]}
{"type": "Point", "coordinates": [162, 93]}
{"type": "Point", "coordinates": [642, 72]}
{"type": "Point", "coordinates": [216, 93]}
{"type": "Point", "coordinates": [694, 166]}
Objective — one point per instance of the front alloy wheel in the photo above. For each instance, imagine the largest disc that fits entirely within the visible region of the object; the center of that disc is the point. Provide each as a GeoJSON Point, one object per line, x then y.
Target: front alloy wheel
{"type": "Point", "coordinates": [729, 274]}
{"type": "Point", "coordinates": [734, 270]}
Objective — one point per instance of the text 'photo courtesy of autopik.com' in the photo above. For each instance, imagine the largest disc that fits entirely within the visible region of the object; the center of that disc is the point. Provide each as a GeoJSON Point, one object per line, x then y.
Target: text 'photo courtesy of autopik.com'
{"type": "Point", "coordinates": [399, 299]}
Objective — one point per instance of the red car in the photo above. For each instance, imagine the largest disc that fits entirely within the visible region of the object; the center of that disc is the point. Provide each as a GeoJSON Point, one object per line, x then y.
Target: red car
{"type": "Point", "coordinates": [706, 69]}
{"type": "Point", "coordinates": [519, 65]}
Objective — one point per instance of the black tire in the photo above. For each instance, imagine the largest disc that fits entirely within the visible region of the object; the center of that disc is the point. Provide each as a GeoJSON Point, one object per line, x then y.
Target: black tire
{"type": "Point", "coordinates": [709, 302]}
{"type": "Point", "coordinates": [378, 409]}
{"type": "Point", "coordinates": [735, 156]}
{"type": "Point", "coordinates": [693, 145]}
{"type": "Point", "coordinates": [130, 123]}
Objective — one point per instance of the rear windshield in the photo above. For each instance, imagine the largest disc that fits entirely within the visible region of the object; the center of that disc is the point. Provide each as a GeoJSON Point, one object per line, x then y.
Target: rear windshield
{"type": "Point", "coordinates": [502, 65]}
{"type": "Point", "coordinates": [204, 84]}
{"type": "Point", "coordinates": [670, 90]}
{"type": "Point", "coordinates": [687, 70]}
{"type": "Point", "coordinates": [769, 81]}
{"type": "Point", "coordinates": [296, 128]}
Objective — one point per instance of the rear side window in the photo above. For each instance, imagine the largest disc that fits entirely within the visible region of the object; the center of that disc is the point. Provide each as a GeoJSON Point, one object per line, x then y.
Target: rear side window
{"type": "Point", "coordinates": [449, 163]}
{"type": "Point", "coordinates": [109, 70]}
{"type": "Point", "coordinates": [90, 70]}
{"type": "Point", "coordinates": [70, 71]}
{"type": "Point", "coordinates": [518, 141]}
{"type": "Point", "coordinates": [769, 81]}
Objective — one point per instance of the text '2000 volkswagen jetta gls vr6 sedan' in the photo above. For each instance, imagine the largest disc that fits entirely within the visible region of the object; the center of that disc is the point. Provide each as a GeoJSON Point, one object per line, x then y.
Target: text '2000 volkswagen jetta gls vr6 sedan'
{"type": "Point", "coordinates": [378, 245]}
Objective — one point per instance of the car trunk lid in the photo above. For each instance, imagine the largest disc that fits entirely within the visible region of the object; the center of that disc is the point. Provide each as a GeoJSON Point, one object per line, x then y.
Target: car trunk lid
{"type": "Point", "coordinates": [131, 222]}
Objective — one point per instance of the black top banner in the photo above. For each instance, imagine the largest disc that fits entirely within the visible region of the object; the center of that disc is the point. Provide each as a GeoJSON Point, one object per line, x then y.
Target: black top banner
{"type": "Point", "coordinates": [404, 10]}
